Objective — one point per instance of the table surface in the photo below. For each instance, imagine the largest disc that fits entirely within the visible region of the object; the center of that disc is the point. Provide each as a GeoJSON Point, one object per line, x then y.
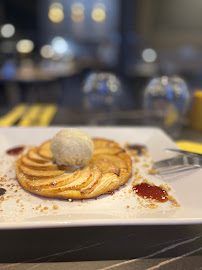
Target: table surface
{"type": "Point", "coordinates": [110, 247]}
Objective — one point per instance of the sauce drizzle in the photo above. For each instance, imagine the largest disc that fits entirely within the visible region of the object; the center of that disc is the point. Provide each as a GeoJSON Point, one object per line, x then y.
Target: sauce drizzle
{"type": "Point", "coordinates": [2, 191]}
{"type": "Point", "coordinates": [148, 191]}
{"type": "Point", "coordinates": [15, 151]}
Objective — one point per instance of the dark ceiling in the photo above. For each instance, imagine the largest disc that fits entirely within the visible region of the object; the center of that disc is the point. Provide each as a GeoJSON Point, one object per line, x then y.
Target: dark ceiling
{"type": "Point", "coordinates": [22, 13]}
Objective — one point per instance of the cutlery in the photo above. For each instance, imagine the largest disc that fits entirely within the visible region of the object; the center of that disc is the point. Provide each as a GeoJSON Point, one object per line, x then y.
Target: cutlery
{"type": "Point", "coordinates": [183, 161]}
{"type": "Point", "coordinates": [182, 152]}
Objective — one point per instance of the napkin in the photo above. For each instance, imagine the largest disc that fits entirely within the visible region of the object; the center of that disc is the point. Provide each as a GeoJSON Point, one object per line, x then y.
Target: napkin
{"type": "Point", "coordinates": [190, 146]}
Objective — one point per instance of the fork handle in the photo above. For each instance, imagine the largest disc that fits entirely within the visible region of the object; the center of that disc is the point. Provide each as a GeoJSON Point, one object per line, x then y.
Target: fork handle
{"type": "Point", "coordinates": [182, 152]}
{"type": "Point", "coordinates": [179, 160]}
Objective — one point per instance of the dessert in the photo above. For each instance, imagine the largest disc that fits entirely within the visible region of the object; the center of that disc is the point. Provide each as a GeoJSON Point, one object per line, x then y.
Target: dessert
{"type": "Point", "coordinates": [109, 168]}
{"type": "Point", "coordinates": [72, 147]}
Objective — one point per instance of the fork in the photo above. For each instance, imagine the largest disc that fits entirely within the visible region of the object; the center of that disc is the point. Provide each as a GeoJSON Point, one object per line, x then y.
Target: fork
{"type": "Point", "coordinates": [183, 162]}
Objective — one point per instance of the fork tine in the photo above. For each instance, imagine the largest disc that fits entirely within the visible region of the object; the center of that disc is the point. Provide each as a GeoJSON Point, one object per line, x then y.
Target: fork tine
{"type": "Point", "coordinates": [179, 160]}
{"type": "Point", "coordinates": [177, 170]}
{"type": "Point", "coordinates": [169, 162]}
{"type": "Point", "coordinates": [171, 168]}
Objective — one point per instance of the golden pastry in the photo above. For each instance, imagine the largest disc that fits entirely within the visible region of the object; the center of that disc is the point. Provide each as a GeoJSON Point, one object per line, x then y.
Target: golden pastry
{"type": "Point", "coordinates": [109, 168]}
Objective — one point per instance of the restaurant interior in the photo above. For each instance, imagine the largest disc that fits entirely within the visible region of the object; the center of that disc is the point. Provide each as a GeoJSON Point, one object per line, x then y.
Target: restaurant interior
{"type": "Point", "coordinates": [67, 57]}
{"type": "Point", "coordinates": [108, 66]}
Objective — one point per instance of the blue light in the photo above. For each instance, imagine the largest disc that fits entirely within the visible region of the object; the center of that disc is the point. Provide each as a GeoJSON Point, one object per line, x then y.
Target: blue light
{"type": "Point", "coordinates": [8, 70]}
{"type": "Point", "coordinates": [60, 45]}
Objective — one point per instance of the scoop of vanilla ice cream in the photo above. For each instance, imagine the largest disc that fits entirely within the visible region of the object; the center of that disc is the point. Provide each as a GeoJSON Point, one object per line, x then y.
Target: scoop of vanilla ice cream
{"type": "Point", "coordinates": [72, 147]}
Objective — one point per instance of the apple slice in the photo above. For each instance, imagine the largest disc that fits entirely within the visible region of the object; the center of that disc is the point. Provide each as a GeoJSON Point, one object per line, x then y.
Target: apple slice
{"type": "Point", "coordinates": [67, 194]}
{"type": "Point", "coordinates": [106, 166]}
{"type": "Point", "coordinates": [32, 154]}
{"type": "Point", "coordinates": [44, 150]}
{"type": "Point", "coordinates": [73, 185]}
{"type": "Point", "coordinates": [39, 173]}
{"type": "Point", "coordinates": [109, 151]}
{"type": "Point", "coordinates": [106, 184]}
{"type": "Point", "coordinates": [118, 161]}
{"type": "Point", "coordinates": [103, 143]}
{"type": "Point", "coordinates": [128, 160]}
{"type": "Point", "coordinates": [38, 166]}
{"type": "Point", "coordinates": [93, 179]}
{"type": "Point", "coordinates": [53, 182]}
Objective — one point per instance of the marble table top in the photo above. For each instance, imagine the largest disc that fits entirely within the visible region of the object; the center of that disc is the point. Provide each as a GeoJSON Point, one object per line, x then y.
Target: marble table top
{"type": "Point", "coordinates": [116, 247]}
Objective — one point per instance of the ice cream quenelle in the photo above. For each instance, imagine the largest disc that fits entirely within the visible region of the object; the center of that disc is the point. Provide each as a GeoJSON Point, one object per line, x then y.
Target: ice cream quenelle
{"type": "Point", "coordinates": [72, 147]}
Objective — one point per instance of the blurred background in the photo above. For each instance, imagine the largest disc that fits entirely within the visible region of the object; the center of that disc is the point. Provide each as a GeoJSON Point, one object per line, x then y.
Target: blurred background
{"type": "Point", "coordinates": [60, 51]}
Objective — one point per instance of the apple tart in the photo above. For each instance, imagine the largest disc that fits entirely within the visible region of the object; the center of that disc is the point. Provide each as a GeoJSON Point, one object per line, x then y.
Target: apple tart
{"type": "Point", "coordinates": [109, 168]}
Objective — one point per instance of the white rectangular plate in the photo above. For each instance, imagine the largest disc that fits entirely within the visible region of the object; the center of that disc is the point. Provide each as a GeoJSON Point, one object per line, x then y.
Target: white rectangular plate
{"type": "Point", "coordinates": [20, 209]}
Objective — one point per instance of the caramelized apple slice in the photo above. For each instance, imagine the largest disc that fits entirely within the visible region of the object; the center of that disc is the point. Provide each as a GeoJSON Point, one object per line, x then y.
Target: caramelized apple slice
{"type": "Point", "coordinates": [109, 151]}
{"type": "Point", "coordinates": [128, 160]}
{"type": "Point", "coordinates": [68, 194]}
{"type": "Point", "coordinates": [103, 143]}
{"type": "Point", "coordinates": [23, 181]}
{"type": "Point", "coordinates": [32, 154]}
{"type": "Point", "coordinates": [38, 166]}
{"type": "Point", "coordinates": [44, 150]}
{"type": "Point", "coordinates": [83, 193]}
{"type": "Point", "coordinates": [107, 183]}
{"type": "Point", "coordinates": [73, 185]}
{"type": "Point", "coordinates": [56, 181]}
{"type": "Point", "coordinates": [92, 181]}
{"type": "Point", "coordinates": [118, 161]}
{"type": "Point", "coordinates": [106, 166]}
{"type": "Point", "coordinates": [39, 173]}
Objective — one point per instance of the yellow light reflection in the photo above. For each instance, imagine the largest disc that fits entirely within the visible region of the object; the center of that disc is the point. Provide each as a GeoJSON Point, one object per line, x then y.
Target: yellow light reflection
{"type": "Point", "coordinates": [55, 13]}
{"type": "Point", "coordinates": [98, 13]}
{"type": "Point", "coordinates": [77, 12]}
{"type": "Point", "coordinates": [25, 46]}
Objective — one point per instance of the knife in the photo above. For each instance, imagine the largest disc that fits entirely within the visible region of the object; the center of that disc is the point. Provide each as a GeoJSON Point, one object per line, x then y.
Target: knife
{"type": "Point", "coordinates": [182, 152]}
